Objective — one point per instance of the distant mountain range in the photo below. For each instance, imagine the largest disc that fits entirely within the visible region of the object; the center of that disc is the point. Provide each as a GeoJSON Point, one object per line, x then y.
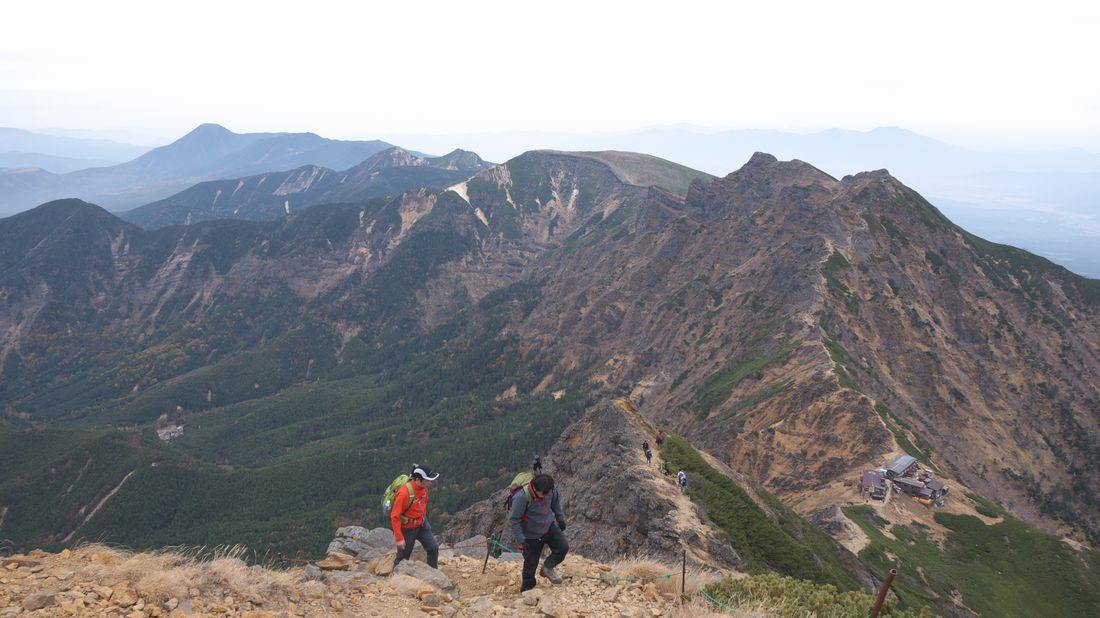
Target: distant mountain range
{"type": "Point", "coordinates": [59, 154]}
{"type": "Point", "coordinates": [208, 152]}
{"type": "Point", "coordinates": [276, 194]}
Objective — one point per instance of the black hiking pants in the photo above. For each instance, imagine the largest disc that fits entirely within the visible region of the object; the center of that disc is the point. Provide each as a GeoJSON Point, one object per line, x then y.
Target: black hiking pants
{"type": "Point", "coordinates": [532, 551]}
{"type": "Point", "coordinates": [423, 533]}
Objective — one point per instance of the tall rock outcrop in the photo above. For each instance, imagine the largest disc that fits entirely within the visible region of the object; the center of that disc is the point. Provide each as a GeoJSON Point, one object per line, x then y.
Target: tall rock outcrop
{"type": "Point", "coordinates": [616, 504]}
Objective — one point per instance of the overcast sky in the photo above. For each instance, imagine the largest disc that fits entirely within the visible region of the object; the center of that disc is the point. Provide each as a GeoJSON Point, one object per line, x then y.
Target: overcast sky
{"type": "Point", "coordinates": [975, 73]}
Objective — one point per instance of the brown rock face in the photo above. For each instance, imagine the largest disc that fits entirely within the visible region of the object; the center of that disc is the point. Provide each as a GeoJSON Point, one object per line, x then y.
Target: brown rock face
{"type": "Point", "coordinates": [791, 322]}
{"type": "Point", "coordinates": [616, 505]}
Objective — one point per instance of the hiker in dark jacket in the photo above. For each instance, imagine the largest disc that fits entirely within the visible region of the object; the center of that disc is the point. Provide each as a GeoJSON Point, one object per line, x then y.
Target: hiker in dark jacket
{"type": "Point", "coordinates": [536, 523]}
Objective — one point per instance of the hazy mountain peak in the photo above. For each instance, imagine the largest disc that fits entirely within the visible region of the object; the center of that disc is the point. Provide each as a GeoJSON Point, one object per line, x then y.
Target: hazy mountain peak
{"type": "Point", "coordinates": [394, 156]}
{"type": "Point", "coordinates": [460, 159]}
{"type": "Point", "coordinates": [766, 168]}
{"type": "Point", "coordinates": [207, 130]}
{"type": "Point", "coordinates": [761, 158]}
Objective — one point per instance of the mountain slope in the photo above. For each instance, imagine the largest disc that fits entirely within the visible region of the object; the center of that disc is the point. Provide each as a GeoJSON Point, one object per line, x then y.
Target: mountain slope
{"type": "Point", "coordinates": [798, 327]}
{"type": "Point", "coordinates": [275, 194]}
{"type": "Point", "coordinates": [782, 307]}
{"type": "Point", "coordinates": [209, 151]}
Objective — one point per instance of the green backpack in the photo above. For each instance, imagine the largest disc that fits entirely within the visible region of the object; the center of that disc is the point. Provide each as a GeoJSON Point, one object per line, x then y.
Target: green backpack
{"type": "Point", "coordinates": [391, 493]}
{"type": "Point", "coordinates": [522, 482]}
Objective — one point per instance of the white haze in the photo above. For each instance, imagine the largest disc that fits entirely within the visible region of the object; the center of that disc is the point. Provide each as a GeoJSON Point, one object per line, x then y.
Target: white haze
{"type": "Point", "coordinates": [361, 69]}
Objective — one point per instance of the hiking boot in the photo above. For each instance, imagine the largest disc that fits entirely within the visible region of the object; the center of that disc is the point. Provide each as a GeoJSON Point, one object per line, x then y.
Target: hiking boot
{"type": "Point", "coordinates": [550, 574]}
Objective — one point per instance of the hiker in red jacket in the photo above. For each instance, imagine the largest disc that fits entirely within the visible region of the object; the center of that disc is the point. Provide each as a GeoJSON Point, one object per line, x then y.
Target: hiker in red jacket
{"type": "Point", "coordinates": [410, 520]}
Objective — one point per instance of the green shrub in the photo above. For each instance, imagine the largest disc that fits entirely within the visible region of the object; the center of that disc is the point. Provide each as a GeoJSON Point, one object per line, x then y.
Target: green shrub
{"type": "Point", "coordinates": [787, 596]}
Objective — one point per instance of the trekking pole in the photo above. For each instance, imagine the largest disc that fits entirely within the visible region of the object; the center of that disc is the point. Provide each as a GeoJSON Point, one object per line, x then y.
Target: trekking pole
{"type": "Point", "coordinates": [489, 548]}
{"type": "Point", "coordinates": [883, 589]}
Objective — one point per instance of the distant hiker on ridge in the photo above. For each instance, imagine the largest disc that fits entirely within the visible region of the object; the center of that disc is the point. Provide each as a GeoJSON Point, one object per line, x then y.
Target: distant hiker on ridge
{"type": "Point", "coordinates": [648, 456]}
{"type": "Point", "coordinates": [409, 517]}
{"type": "Point", "coordinates": [532, 520]}
{"type": "Point", "coordinates": [537, 465]}
{"type": "Point", "coordinates": [660, 438]}
{"type": "Point", "coordinates": [682, 481]}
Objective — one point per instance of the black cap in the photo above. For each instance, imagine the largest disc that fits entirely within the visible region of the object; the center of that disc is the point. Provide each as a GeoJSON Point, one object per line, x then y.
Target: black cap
{"type": "Point", "coordinates": [424, 472]}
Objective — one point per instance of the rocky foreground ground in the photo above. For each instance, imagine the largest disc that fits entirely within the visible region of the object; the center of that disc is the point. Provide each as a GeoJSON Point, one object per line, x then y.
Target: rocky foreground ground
{"type": "Point", "coordinates": [95, 580]}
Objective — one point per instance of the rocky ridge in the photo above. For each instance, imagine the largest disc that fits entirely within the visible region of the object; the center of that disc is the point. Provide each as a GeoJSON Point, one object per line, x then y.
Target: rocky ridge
{"type": "Point", "coordinates": [276, 194]}
{"type": "Point", "coordinates": [616, 504]}
{"type": "Point", "coordinates": [101, 581]}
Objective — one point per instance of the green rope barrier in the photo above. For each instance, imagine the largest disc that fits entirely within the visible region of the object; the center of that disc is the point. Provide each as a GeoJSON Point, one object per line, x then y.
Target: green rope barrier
{"type": "Point", "coordinates": [503, 546]}
{"type": "Point", "coordinates": [712, 599]}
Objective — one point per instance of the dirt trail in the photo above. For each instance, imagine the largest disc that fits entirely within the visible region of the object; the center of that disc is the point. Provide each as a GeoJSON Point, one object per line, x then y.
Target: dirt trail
{"type": "Point", "coordinates": [98, 506]}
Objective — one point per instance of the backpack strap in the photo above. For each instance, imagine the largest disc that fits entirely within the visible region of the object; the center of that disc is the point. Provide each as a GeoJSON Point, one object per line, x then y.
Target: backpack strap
{"type": "Point", "coordinates": [409, 520]}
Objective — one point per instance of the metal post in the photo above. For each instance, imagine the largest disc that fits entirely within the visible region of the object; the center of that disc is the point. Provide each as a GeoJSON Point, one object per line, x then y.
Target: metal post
{"type": "Point", "coordinates": [882, 590]}
{"type": "Point", "coordinates": [683, 574]}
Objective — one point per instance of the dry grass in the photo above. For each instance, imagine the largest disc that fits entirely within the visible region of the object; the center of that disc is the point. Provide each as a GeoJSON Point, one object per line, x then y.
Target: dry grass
{"type": "Point", "coordinates": [174, 572]}
{"type": "Point", "coordinates": [646, 567]}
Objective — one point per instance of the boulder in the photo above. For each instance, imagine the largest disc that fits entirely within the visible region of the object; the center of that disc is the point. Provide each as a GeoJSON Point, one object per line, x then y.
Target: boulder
{"type": "Point", "coordinates": [405, 584]}
{"type": "Point", "coordinates": [382, 565]}
{"type": "Point", "coordinates": [425, 573]}
{"type": "Point", "coordinates": [360, 543]}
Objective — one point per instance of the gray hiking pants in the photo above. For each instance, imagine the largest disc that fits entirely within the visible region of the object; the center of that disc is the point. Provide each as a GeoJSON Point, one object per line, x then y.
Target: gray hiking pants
{"type": "Point", "coordinates": [427, 541]}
